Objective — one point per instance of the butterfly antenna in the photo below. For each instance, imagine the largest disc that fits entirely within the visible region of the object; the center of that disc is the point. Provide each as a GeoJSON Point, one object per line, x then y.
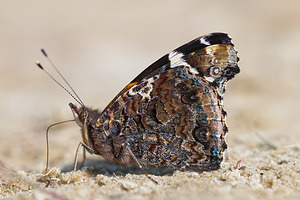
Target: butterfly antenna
{"type": "Point", "coordinates": [42, 68]}
{"type": "Point", "coordinates": [54, 66]}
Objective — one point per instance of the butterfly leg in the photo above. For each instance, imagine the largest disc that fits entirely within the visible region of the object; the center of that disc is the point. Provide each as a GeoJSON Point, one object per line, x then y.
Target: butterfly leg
{"type": "Point", "coordinates": [84, 157]}
{"type": "Point", "coordinates": [85, 148]}
{"type": "Point", "coordinates": [76, 156]}
{"type": "Point", "coordinates": [137, 162]}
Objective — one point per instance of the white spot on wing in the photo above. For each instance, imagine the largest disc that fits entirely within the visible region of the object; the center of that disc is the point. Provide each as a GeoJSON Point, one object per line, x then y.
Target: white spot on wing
{"type": "Point", "coordinates": [141, 92]}
{"type": "Point", "coordinates": [174, 55]}
{"type": "Point", "coordinates": [203, 41]}
{"type": "Point", "coordinates": [209, 79]}
{"type": "Point", "coordinates": [177, 59]}
{"type": "Point", "coordinates": [194, 70]}
{"type": "Point", "coordinates": [222, 87]}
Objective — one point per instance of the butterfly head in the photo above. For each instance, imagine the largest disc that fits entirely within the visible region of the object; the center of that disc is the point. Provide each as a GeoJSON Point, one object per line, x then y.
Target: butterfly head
{"type": "Point", "coordinates": [80, 114]}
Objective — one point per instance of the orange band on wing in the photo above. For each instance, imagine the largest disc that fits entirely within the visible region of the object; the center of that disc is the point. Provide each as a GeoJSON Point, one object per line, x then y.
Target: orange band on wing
{"type": "Point", "coordinates": [130, 85]}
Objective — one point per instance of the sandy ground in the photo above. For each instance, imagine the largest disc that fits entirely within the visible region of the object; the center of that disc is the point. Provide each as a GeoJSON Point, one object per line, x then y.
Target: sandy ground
{"type": "Point", "coordinates": [100, 46]}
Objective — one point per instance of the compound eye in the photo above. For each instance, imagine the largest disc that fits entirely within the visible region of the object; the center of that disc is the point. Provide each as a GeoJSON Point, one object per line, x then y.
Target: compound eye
{"type": "Point", "coordinates": [214, 71]}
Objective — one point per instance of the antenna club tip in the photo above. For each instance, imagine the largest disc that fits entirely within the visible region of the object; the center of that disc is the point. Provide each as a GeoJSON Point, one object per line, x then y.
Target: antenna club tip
{"type": "Point", "coordinates": [39, 65]}
{"type": "Point", "coordinates": [44, 52]}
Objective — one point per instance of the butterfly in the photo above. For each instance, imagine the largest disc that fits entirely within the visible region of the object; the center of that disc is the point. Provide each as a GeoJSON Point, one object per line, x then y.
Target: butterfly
{"type": "Point", "coordinates": [171, 114]}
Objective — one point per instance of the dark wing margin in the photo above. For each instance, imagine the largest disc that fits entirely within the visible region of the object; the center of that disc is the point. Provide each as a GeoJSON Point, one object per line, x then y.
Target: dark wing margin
{"type": "Point", "coordinates": [163, 61]}
{"type": "Point", "coordinates": [195, 45]}
{"type": "Point", "coordinates": [204, 41]}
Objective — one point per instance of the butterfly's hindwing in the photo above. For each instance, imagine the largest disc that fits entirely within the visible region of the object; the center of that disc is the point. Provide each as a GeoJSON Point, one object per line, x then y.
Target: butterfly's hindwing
{"type": "Point", "coordinates": [177, 123]}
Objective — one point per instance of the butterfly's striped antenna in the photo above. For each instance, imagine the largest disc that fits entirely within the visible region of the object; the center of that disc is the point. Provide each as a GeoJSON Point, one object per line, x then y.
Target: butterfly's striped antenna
{"type": "Point", "coordinates": [54, 66]}
{"type": "Point", "coordinates": [42, 68]}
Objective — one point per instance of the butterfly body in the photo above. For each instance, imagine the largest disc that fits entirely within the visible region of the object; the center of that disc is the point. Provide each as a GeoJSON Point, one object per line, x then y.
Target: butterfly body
{"type": "Point", "coordinates": [171, 115]}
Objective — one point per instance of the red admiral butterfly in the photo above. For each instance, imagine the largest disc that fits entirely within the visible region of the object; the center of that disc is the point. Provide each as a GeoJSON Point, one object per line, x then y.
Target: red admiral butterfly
{"type": "Point", "coordinates": [170, 115]}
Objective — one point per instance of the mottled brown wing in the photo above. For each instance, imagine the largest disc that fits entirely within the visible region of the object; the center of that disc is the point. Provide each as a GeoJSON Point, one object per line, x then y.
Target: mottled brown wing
{"type": "Point", "coordinates": [172, 113]}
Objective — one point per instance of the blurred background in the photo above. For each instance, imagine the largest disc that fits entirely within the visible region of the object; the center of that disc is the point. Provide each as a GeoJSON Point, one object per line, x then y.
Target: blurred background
{"type": "Point", "coordinates": [100, 46]}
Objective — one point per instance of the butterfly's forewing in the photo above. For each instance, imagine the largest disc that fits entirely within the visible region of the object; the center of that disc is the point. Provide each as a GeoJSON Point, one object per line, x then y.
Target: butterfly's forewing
{"type": "Point", "coordinates": [172, 113]}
